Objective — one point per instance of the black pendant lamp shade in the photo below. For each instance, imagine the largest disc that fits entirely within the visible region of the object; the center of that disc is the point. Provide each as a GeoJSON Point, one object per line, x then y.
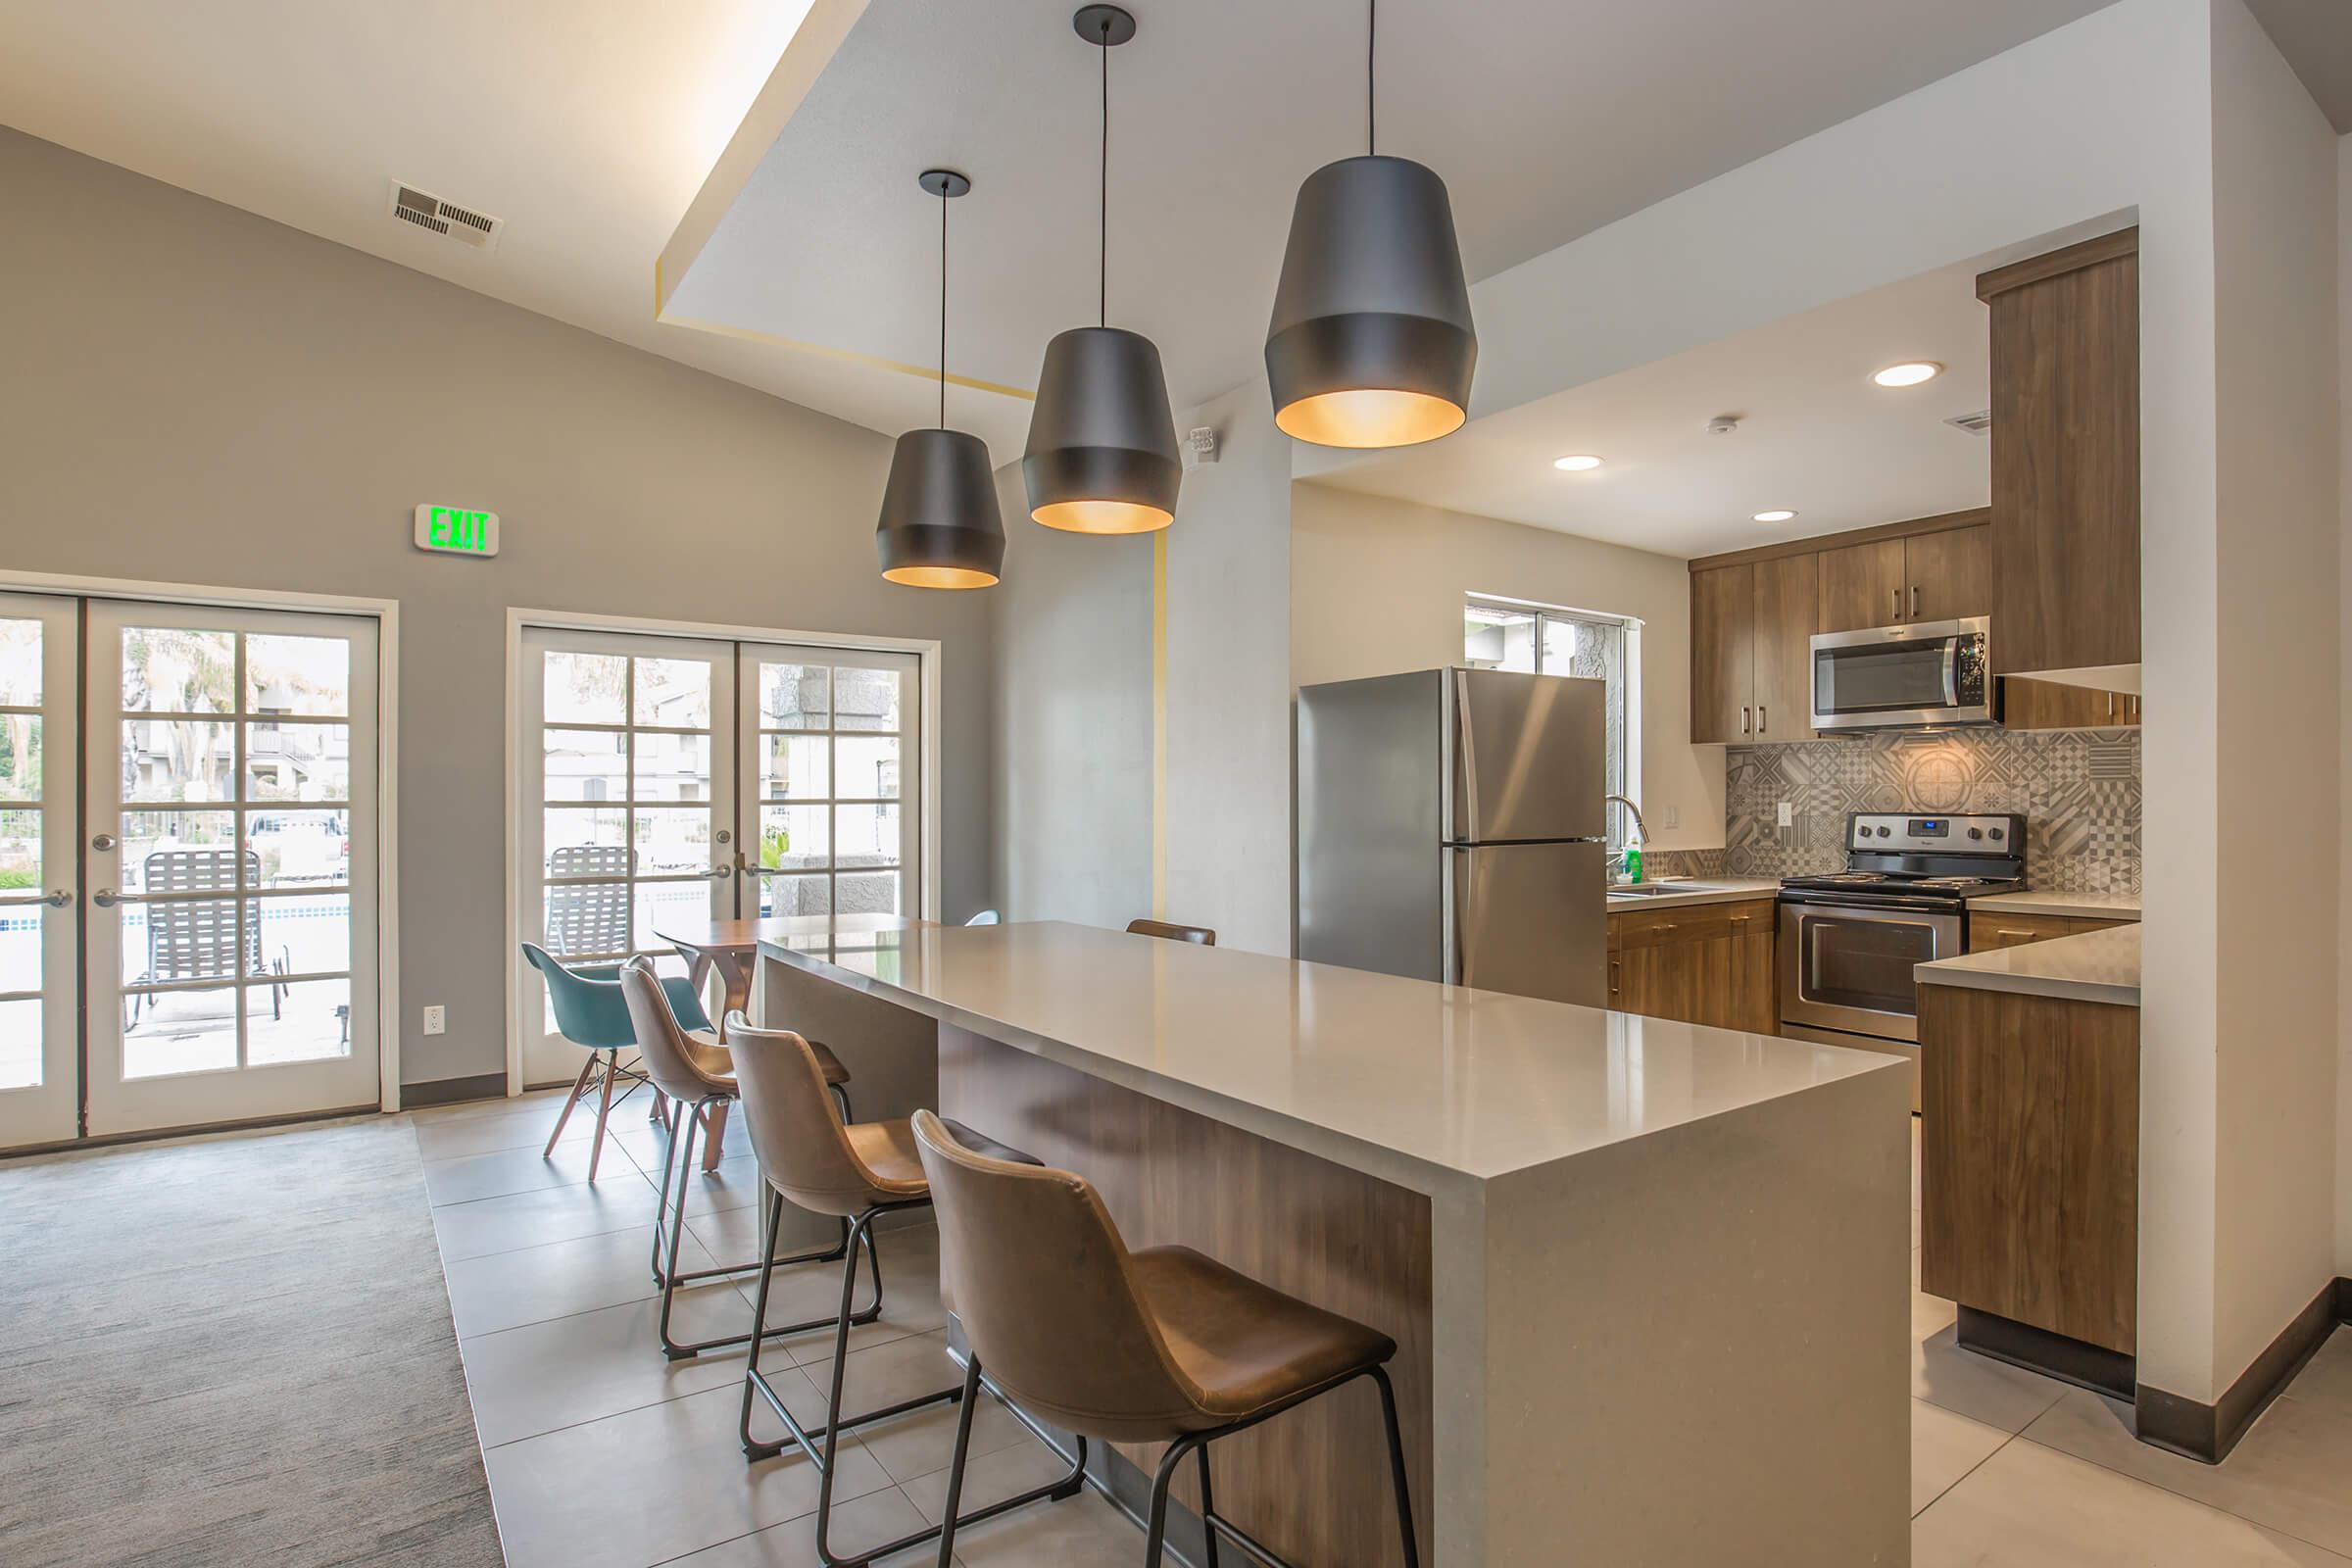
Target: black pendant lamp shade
{"type": "Point", "coordinates": [1371, 343]}
{"type": "Point", "coordinates": [1101, 454]}
{"type": "Point", "coordinates": [941, 526]}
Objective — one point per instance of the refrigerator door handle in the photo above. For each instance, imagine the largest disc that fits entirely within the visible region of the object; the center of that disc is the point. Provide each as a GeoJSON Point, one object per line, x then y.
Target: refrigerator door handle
{"type": "Point", "coordinates": [1466, 750]}
{"type": "Point", "coordinates": [1457, 867]}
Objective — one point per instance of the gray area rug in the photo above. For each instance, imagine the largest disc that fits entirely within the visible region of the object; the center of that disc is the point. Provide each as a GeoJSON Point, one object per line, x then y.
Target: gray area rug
{"type": "Point", "coordinates": [234, 1350]}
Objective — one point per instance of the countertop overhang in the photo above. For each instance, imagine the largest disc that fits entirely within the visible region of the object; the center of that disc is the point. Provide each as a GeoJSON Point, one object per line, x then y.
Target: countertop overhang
{"type": "Point", "coordinates": [1428, 1084]}
{"type": "Point", "coordinates": [2093, 967]}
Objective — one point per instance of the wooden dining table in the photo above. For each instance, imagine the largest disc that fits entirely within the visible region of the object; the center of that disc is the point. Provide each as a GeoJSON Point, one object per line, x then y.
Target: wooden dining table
{"type": "Point", "coordinates": [731, 947]}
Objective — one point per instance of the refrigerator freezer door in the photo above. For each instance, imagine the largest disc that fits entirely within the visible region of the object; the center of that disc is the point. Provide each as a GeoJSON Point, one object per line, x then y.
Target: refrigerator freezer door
{"type": "Point", "coordinates": [1532, 919]}
{"type": "Point", "coordinates": [1530, 757]}
{"type": "Point", "coordinates": [1371, 781]}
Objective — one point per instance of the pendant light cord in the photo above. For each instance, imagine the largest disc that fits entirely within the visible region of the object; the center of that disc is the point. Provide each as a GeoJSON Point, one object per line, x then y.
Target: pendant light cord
{"type": "Point", "coordinates": [1102, 251]}
{"type": "Point", "coordinates": [1371, 45]}
{"type": "Point", "coordinates": [943, 307]}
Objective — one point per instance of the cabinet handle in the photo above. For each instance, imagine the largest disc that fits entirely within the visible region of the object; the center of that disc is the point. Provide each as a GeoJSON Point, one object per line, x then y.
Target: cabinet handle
{"type": "Point", "coordinates": [1915, 601]}
{"type": "Point", "coordinates": [1616, 975]}
{"type": "Point", "coordinates": [2111, 705]}
{"type": "Point", "coordinates": [1760, 718]}
{"type": "Point", "coordinates": [2008, 931]}
{"type": "Point", "coordinates": [1899, 603]}
{"type": "Point", "coordinates": [1743, 721]}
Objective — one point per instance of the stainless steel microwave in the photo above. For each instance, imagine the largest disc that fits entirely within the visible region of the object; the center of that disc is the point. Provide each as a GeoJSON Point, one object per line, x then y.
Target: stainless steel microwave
{"type": "Point", "coordinates": [1900, 677]}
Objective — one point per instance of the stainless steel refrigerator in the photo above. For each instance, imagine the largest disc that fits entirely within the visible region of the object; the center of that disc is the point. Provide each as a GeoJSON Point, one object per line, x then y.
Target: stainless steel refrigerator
{"type": "Point", "coordinates": [1451, 827]}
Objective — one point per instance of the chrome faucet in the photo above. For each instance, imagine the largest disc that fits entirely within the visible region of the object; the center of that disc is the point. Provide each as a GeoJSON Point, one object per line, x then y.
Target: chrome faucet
{"type": "Point", "coordinates": [1639, 826]}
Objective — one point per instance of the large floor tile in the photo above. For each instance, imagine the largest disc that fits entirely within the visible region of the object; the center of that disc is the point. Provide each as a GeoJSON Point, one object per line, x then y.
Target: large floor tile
{"type": "Point", "coordinates": [858, 1525]}
{"type": "Point", "coordinates": [1977, 1386]}
{"type": "Point", "coordinates": [526, 1126]}
{"type": "Point", "coordinates": [505, 1290]}
{"type": "Point", "coordinates": [651, 1485]}
{"type": "Point", "coordinates": [1944, 1448]}
{"type": "Point", "coordinates": [1080, 1532]}
{"type": "Point", "coordinates": [522, 1170]}
{"type": "Point", "coordinates": [2292, 1472]}
{"type": "Point", "coordinates": [2032, 1507]}
{"type": "Point", "coordinates": [2326, 1379]}
{"type": "Point", "coordinates": [541, 1215]}
{"type": "Point", "coordinates": [542, 1376]}
{"type": "Point", "coordinates": [921, 1441]}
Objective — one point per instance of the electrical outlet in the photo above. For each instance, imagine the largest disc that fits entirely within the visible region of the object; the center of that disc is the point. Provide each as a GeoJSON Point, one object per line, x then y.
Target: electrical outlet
{"type": "Point", "coordinates": [1788, 818]}
{"type": "Point", "coordinates": [1674, 817]}
{"type": "Point", "coordinates": [436, 1020]}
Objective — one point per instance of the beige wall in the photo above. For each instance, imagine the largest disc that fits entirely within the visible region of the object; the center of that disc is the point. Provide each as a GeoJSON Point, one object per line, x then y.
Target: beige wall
{"type": "Point", "coordinates": [2275, 292]}
{"type": "Point", "coordinates": [189, 393]}
{"type": "Point", "coordinates": [2343, 387]}
{"type": "Point", "coordinates": [1377, 587]}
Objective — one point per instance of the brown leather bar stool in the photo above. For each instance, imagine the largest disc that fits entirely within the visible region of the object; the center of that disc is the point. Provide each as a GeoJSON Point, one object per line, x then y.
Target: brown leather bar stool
{"type": "Point", "coordinates": [1199, 935]}
{"type": "Point", "coordinates": [857, 1171]}
{"type": "Point", "coordinates": [1161, 1345]}
{"type": "Point", "coordinates": [735, 984]}
{"type": "Point", "coordinates": [696, 1072]}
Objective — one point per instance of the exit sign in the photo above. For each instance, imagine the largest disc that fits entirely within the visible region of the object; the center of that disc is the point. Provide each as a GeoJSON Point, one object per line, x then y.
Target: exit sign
{"type": "Point", "coordinates": [457, 531]}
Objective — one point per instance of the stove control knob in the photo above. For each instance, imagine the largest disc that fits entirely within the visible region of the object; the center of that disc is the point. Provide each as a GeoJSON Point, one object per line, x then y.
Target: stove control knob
{"type": "Point", "coordinates": [1885, 832]}
{"type": "Point", "coordinates": [1976, 832]}
{"type": "Point", "coordinates": [1996, 832]}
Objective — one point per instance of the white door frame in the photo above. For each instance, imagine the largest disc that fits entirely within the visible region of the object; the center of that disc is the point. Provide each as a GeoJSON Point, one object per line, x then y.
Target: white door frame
{"type": "Point", "coordinates": [927, 650]}
{"type": "Point", "coordinates": [386, 614]}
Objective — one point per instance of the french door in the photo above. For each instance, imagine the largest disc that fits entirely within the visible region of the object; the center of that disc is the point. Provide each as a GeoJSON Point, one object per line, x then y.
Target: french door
{"type": "Point", "coordinates": [187, 866]}
{"type": "Point", "coordinates": [671, 781]}
{"type": "Point", "coordinates": [40, 889]}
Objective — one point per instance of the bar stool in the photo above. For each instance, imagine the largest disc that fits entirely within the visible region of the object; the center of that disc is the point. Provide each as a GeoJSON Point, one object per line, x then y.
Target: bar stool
{"type": "Point", "coordinates": [857, 1171]}
{"type": "Point", "coordinates": [695, 1071]}
{"type": "Point", "coordinates": [1199, 935]}
{"type": "Point", "coordinates": [735, 983]}
{"type": "Point", "coordinates": [1161, 1345]}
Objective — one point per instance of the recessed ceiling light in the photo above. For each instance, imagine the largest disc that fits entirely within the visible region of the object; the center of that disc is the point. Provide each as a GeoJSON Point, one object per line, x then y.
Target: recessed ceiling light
{"type": "Point", "coordinates": [1911, 372]}
{"type": "Point", "coordinates": [1777, 515]}
{"type": "Point", "coordinates": [1576, 464]}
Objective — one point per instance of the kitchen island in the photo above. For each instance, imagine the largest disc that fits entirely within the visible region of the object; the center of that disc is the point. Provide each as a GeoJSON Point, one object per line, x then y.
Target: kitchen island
{"type": "Point", "coordinates": [1647, 1278]}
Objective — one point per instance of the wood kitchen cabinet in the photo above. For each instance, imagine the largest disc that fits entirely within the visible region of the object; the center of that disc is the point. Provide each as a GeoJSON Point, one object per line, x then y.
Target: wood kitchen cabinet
{"type": "Point", "coordinates": [1991, 930]}
{"type": "Point", "coordinates": [1944, 575]}
{"type": "Point", "coordinates": [1709, 964]}
{"type": "Point", "coordinates": [2049, 705]}
{"type": "Point", "coordinates": [1752, 635]}
{"type": "Point", "coordinates": [2065, 334]}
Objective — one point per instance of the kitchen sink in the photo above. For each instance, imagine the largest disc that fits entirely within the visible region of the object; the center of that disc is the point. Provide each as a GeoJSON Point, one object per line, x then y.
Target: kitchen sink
{"type": "Point", "coordinates": [1659, 890]}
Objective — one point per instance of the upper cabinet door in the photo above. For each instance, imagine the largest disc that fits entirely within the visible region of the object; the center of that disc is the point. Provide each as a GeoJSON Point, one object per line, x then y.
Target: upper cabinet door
{"type": "Point", "coordinates": [1787, 610]}
{"type": "Point", "coordinates": [2066, 456]}
{"type": "Point", "coordinates": [1723, 612]}
{"type": "Point", "coordinates": [1863, 586]}
{"type": "Point", "coordinates": [1949, 575]}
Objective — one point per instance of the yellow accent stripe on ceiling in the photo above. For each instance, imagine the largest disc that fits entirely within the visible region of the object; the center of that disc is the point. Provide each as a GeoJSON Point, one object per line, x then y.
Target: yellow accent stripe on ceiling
{"type": "Point", "coordinates": [1159, 725]}
{"type": "Point", "coordinates": [925, 372]}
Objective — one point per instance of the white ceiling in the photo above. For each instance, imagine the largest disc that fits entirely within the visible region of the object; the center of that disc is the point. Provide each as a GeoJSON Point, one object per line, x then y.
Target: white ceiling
{"type": "Point", "coordinates": [591, 127]}
{"type": "Point", "coordinates": [1816, 435]}
{"type": "Point", "coordinates": [1546, 117]}
{"type": "Point", "coordinates": [2316, 36]}
{"type": "Point", "coordinates": [587, 125]}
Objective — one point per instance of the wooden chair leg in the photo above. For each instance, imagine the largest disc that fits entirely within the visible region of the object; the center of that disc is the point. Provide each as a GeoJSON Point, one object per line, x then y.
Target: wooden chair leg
{"type": "Point", "coordinates": [603, 1109]}
{"type": "Point", "coordinates": [718, 1125]}
{"type": "Point", "coordinates": [579, 1085]}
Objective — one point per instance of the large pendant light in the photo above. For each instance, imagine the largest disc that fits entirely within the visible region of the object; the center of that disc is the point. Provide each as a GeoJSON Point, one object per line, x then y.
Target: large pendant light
{"type": "Point", "coordinates": [1371, 344]}
{"type": "Point", "coordinates": [1101, 454]}
{"type": "Point", "coordinates": [940, 524]}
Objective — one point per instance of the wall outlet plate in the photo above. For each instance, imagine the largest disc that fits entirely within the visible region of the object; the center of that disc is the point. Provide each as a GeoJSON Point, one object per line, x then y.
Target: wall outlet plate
{"type": "Point", "coordinates": [436, 1020]}
{"type": "Point", "coordinates": [1787, 814]}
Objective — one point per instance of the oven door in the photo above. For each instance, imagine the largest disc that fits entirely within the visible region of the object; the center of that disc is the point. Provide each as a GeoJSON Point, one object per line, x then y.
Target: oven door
{"type": "Point", "coordinates": [1930, 672]}
{"type": "Point", "coordinates": [1848, 966]}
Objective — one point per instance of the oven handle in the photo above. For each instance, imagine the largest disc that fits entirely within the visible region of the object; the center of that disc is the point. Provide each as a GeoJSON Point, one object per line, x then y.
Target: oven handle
{"type": "Point", "coordinates": [1874, 906]}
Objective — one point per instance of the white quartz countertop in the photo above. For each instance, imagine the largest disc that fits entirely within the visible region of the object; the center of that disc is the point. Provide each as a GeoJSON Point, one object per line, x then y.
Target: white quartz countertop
{"type": "Point", "coordinates": [2094, 966]}
{"type": "Point", "coordinates": [1704, 890]}
{"type": "Point", "coordinates": [2078, 906]}
{"type": "Point", "coordinates": [1416, 1082]}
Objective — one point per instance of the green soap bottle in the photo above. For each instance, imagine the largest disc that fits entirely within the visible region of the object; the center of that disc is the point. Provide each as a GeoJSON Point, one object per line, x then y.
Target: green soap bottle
{"type": "Point", "coordinates": [1633, 859]}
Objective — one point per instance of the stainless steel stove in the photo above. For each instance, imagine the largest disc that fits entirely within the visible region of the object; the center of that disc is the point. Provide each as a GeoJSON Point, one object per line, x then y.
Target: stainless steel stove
{"type": "Point", "coordinates": [1849, 939]}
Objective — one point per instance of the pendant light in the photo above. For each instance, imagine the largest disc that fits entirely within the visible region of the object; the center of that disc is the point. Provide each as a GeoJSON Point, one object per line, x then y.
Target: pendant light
{"type": "Point", "coordinates": [1101, 454]}
{"type": "Point", "coordinates": [1371, 344]}
{"type": "Point", "coordinates": [940, 525]}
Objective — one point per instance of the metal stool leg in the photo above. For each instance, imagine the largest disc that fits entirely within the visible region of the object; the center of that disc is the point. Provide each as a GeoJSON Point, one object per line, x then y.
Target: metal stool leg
{"type": "Point", "coordinates": [1397, 1472]}
{"type": "Point", "coordinates": [1208, 1509]}
{"type": "Point", "coordinates": [964, 1449]}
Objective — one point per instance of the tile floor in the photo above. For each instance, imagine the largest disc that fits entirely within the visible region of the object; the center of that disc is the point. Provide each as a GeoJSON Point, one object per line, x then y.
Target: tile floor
{"type": "Point", "coordinates": [601, 1454]}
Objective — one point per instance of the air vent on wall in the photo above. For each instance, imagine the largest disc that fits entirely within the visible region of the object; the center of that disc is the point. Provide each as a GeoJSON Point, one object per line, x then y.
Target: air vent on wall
{"type": "Point", "coordinates": [447, 219]}
{"type": "Point", "coordinates": [1976, 423]}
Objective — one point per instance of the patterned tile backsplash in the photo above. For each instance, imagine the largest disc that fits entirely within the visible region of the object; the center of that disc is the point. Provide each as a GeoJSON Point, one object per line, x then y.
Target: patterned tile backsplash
{"type": "Point", "coordinates": [2079, 791]}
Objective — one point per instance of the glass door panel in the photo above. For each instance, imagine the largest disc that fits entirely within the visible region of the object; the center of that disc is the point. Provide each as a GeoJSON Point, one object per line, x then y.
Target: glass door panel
{"type": "Point", "coordinates": [231, 940]}
{"type": "Point", "coordinates": [832, 767]}
{"type": "Point", "coordinates": [40, 903]}
{"type": "Point", "coordinates": [628, 820]}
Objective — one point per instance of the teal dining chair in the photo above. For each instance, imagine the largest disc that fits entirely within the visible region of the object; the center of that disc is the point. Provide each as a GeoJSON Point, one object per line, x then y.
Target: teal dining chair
{"type": "Point", "coordinates": [591, 1013]}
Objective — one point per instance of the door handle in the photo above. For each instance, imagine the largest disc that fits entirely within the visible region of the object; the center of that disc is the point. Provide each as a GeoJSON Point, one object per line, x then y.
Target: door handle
{"type": "Point", "coordinates": [103, 842]}
{"type": "Point", "coordinates": [59, 899]}
{"type": "Point", "coordinates": [718, 873]}
{"type": "Point", "coordinates": [104, 897]}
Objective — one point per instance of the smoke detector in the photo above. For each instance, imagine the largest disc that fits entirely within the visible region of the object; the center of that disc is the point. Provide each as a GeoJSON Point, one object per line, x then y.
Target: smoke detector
{"type": "Point", "coordinates": [1723, 424]}
{"type": "Point", "coordinates": [1976, 423]}
{"type": "Point", "coordinates": [431, 213]}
